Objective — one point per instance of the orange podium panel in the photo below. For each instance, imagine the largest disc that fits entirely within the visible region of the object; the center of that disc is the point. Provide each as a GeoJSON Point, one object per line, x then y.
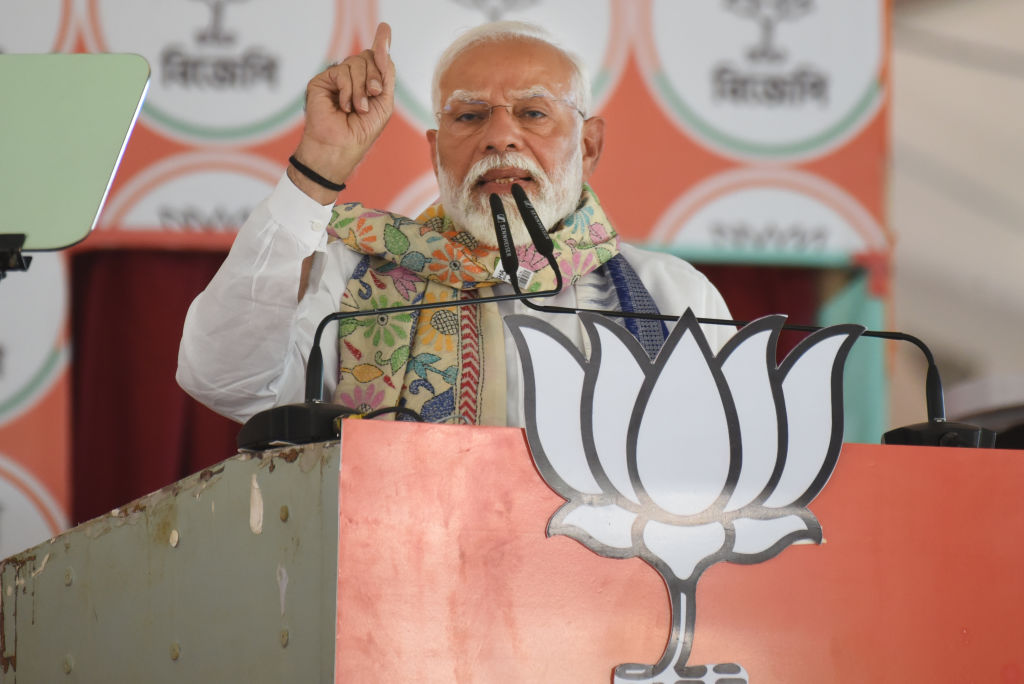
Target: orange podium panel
{"type": "Point", "coordinates": [445, 573]}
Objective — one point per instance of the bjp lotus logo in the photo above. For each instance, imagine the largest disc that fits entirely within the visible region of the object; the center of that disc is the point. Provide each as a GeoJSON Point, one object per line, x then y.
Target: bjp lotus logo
{"type": "Point", "coordinates": [687, 460]}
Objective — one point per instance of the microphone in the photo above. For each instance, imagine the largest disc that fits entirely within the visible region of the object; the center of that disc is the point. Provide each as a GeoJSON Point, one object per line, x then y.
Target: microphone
{"type": "Point", "coordinates": [506, 248]}
{"type": "Point", "coordinates": [534, 226]}
{"type": "Point", "coordinates": [935, 432]}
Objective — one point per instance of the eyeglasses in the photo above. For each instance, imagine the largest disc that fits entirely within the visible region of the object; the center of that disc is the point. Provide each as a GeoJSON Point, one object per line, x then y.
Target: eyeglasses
{"type": "Point", "coordinates": [538, 114]}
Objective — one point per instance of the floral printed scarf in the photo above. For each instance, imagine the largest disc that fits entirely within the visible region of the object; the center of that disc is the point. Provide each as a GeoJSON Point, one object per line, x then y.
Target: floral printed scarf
{"type": "Point", "coordinates": [448, 363]}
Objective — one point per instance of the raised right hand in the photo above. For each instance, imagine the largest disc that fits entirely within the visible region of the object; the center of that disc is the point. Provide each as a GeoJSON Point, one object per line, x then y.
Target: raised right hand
{"type": "Point", "coordinates": [347, 107]}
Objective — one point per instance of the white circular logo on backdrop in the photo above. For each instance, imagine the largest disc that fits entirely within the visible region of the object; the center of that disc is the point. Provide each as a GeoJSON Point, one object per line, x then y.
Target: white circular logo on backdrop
{"type": "Point", "coordinates": [200, 192]}
{"type": "Point", "coordinates": [595, 30]}
{"type": "Point", "coordinates": [223, 70]}
{"type": "Point", "coordinates": [36, 26]}
{"type": "Point", "coordinates": [28, 513]}
{"type": "Point", "coordinates": [769, 215]}
{"type": "Point", "coordinates": [33, 311]}
{"type": "Point", "coordinates": [765, 79]}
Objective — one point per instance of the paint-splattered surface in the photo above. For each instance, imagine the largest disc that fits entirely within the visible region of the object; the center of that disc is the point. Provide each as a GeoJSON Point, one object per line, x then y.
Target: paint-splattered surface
{"type": "Point", "coordinates": [222, 576]}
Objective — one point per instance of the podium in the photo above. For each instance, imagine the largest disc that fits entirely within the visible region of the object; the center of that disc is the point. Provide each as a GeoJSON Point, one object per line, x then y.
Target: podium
{"type": "Point", "coordinates": [418, 553]}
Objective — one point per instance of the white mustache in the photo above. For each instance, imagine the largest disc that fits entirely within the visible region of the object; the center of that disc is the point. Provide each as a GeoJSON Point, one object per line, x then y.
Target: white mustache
{"type": "Point", "coordinates": [504, 160]}
{"type": "Point", "coordinates": [553, 196]}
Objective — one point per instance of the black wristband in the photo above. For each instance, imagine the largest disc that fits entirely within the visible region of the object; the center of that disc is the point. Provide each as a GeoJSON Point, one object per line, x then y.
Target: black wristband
{"type": "Point", "coordinates": [314, 176]}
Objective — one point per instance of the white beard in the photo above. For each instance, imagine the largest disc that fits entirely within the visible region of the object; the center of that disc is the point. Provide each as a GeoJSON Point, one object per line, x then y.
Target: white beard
{"type": "Point", "coordinates": [555, 198]}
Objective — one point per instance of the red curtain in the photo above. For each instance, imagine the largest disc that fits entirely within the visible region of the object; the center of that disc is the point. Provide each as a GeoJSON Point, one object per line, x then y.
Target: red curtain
{"type": "Point", "coordinates": [755, 291]}
{"type": "Point", "coordinates": [133, 429]}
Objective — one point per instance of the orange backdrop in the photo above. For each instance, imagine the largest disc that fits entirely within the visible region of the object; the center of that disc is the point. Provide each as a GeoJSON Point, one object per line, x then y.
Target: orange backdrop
{"type": "Point", "coordinates": [224, 113]}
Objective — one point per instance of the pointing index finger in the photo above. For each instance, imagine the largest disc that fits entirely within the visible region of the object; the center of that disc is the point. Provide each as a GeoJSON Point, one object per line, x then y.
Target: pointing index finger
{"type": "Point", "coordinates": [382, 46]}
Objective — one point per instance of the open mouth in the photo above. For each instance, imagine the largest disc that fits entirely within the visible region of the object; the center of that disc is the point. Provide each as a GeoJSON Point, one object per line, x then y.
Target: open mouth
{"type": "Point", "coordinates": [503, 178]}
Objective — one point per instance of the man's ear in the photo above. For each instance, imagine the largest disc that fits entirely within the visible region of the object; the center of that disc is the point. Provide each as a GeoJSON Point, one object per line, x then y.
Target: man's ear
{"type": "Point", "coordinates": [592, 141]}
{"type": "Point", "coordinates": [432, 141]}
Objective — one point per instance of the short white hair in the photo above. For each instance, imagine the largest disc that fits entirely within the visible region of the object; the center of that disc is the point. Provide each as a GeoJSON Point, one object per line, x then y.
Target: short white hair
{"type": "Point", "coordinates": [498, 31]}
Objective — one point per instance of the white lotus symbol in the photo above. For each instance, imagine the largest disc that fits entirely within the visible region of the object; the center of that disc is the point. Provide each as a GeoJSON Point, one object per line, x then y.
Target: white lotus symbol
{"type": "Point", "coordinates": [687, 460]}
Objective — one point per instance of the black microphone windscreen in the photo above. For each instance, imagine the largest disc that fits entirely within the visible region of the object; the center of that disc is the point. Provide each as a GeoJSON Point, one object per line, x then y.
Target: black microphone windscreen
{"type": "Point", "coordinates": [505, 245]}
{"type": "Point", "coordinates": [506, 248]}
{"type": "Point", "coordinates": [538, 233]}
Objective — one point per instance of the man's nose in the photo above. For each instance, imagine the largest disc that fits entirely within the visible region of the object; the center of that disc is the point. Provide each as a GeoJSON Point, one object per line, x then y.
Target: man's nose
{"type": "Point", "coordinates": [501, 131]}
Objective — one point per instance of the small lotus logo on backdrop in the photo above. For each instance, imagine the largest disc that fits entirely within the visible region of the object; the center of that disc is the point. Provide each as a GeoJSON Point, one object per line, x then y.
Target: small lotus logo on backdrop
{"type": "Point", "coordinates": [804, 84]}
{"type": "Point", "coordinates": [215, 33]}
{"type": "Point", "coordinates": [687, 460]}
{"type": "Point", "coordinates": [767, 14]}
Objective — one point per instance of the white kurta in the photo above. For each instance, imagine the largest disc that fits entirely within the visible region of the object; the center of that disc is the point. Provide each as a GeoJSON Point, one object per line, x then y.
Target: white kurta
{"type": "Point", "coordinates": [247, 337]}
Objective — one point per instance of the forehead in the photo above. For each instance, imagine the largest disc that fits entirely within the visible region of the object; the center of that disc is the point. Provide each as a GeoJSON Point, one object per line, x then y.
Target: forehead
{"type": "Point", "coordinates": [494, 69]}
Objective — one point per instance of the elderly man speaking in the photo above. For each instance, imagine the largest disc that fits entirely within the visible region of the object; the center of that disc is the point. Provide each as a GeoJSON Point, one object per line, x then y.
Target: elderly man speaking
{"type": "Point", "coordinates": [512, 109]}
